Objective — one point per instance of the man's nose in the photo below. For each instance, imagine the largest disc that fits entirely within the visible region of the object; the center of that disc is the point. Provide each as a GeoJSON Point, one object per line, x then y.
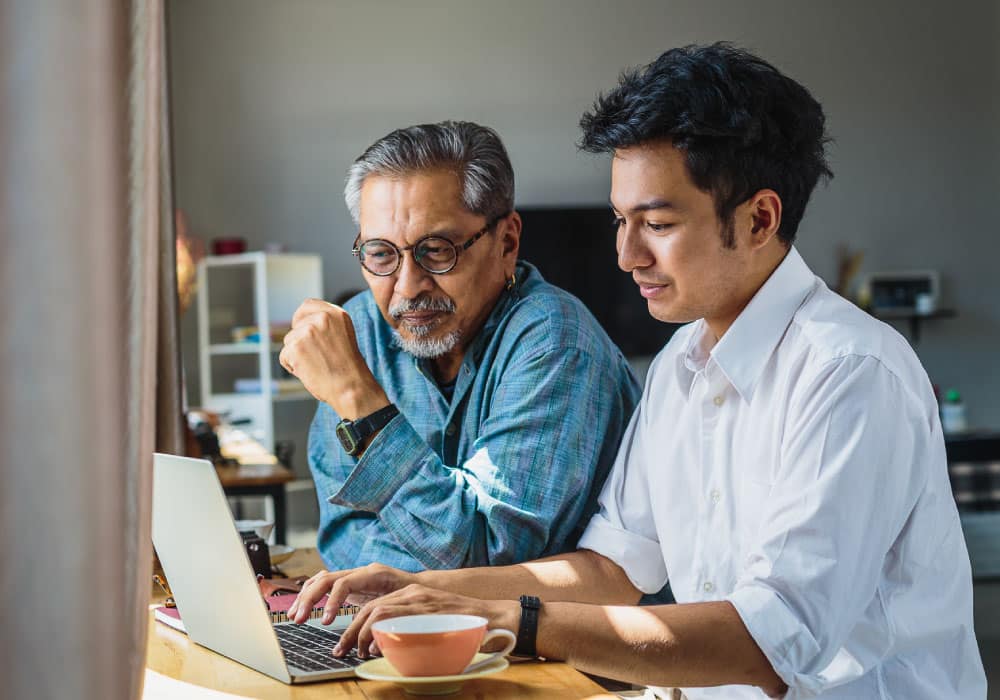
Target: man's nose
{"type": "Point", "coordinates": [411, 279]}
{"type": "Point", "coordinates": [632, 250]}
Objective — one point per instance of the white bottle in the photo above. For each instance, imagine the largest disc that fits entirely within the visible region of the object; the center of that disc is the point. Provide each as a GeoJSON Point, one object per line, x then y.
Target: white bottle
{"type": "Point", "coordinates": [953, 414]}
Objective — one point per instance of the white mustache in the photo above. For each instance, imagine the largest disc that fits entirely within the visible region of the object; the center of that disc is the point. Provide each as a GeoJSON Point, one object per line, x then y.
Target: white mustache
{"type": "Point", "coordinates": [421, 304]}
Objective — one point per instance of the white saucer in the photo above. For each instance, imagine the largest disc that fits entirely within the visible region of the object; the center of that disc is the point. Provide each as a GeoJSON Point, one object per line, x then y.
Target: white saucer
{"type": "Point", "coordinates": [280, 552]}
{"type": "Point", "coordinates": [381, 670]}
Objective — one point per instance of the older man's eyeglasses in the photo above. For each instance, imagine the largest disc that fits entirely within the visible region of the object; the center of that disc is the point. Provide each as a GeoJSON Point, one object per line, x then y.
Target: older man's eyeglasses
{"type": "Point", "coordinates": [436, 254]}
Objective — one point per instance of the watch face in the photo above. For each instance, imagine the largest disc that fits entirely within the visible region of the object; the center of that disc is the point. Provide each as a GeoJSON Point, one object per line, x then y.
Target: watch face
{"type": "Point", "coordinates": [347, 438]}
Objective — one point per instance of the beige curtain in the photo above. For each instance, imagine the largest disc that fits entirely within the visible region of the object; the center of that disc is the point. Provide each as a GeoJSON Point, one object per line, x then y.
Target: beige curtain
{"type": "Point", "coordinates": [88, 354]}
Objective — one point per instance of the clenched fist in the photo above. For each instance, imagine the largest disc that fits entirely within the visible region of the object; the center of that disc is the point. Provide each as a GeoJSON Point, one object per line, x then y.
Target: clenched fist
{"type": "Point", "coordinates": [322, 351]}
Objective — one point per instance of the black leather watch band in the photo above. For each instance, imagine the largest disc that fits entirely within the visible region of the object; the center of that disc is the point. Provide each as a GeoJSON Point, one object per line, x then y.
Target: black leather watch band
{"type": "Point", "coordinates": [352, 434]}
{"type": "Point", "coordinates": [527, 631]}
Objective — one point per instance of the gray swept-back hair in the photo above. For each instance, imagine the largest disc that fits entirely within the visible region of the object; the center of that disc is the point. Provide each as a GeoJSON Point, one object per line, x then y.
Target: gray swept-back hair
{"type": "Point", "coordinates": [475, 153]}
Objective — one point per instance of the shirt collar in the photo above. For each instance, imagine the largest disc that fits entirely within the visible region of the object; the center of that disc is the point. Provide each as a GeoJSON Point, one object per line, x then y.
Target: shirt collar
{"type": "Point", "coordinates": [699, 347]}
{"type": "Point", "coordinates": [745, 349]}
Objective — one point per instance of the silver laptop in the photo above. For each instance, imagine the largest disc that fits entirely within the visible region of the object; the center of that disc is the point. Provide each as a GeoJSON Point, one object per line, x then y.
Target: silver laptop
{"type": "Point", "coordinates": [214, 585]}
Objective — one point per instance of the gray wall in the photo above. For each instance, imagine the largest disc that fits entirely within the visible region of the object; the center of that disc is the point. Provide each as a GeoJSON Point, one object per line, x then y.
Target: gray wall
{"type": "Point", "coordinates": [273, 100]}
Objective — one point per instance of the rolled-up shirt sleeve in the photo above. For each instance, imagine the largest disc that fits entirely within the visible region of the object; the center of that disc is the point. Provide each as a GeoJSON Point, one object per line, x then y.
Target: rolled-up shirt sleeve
{"type": "Point", "coordinates": [849, 475]}
{"type": "Point", "coordinates": [623, 529]}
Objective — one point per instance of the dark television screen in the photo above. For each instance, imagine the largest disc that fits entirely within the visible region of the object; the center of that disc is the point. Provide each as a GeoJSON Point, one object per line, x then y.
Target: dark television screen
{"type": "Point", "coordinates": [574, 248]}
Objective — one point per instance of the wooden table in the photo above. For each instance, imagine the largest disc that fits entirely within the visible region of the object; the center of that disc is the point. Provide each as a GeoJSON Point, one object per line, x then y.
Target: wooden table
{"type": "Point", "coordinates": [178, 668]}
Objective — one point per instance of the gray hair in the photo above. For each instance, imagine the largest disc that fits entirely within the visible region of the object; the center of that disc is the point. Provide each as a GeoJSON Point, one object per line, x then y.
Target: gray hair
{"type": "Point", "coordinates": [475, 153]}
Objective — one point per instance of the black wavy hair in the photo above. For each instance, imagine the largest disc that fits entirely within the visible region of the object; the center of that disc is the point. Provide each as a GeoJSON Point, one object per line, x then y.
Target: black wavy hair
{"type": "Point", "coordinates": [742, 125]}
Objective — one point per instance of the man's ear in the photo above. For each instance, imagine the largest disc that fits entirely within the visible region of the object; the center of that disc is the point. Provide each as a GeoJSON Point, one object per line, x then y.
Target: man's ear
{"type": "Point", "coordinates": [764, 209]}
{"type": "Point", "coordinates": [510, 237]}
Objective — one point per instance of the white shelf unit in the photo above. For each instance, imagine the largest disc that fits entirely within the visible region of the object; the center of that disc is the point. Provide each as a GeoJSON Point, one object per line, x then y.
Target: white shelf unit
{"type": "Point", "coordinates": [256, 289]}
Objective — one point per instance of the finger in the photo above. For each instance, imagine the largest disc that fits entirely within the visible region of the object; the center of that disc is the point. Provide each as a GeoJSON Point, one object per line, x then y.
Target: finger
{"type": "Point", "coordinates": [305, 308]}
{"type": "Point", "coordinates": [310, 595]}
{"type": "Point", "coordinates": [285, 360]}
{"type": "Point", "coordinates": [311, 306]}
{"type": "Point", "coordinates": [399, 600]}
{"type": "Point", "coordinates": [294, 607]}
{"type": "Point", "coordinates": [292, 337]}
{"type": "Point", "coordinates": [340, 590]}
{"type": "Point", "coordinates": [316, 577]}
{"type": "Point", "coordinates": [350, 635]}
{"type": "Point", "coordinates": [358, 586]}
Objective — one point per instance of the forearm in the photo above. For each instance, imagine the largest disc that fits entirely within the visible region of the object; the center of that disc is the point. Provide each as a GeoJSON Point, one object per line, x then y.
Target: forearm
{"type": "Point", "coordinates": [693, 645]}
{"type": "Point", "coordinates": [401, 479]}
{"type": "Point", "coordinates": [582, 576]}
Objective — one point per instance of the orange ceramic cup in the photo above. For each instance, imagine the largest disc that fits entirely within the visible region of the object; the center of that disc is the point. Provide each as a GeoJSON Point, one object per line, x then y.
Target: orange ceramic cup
{"type": "Point", "coordinates": [436, 645]}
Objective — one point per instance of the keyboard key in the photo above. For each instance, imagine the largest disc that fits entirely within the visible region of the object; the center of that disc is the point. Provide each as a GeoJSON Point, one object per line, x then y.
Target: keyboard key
{"type": "Point", "coordinates": [310, 648]}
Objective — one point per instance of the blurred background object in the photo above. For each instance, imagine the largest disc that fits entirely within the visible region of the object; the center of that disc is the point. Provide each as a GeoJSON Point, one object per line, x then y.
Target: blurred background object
{"type": "Point", "coordinates": [189, 251]}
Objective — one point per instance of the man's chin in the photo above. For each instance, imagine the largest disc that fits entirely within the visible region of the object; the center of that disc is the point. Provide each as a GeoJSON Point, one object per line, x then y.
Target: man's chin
{"type": "Point", "coordinates": [421, 332]}
{"type": "Point", "coordinates": [434, 329]}
{"type": "Point", "coordinates": [668, 313]}
{"type": "Point", "coordinates": [428, 345]}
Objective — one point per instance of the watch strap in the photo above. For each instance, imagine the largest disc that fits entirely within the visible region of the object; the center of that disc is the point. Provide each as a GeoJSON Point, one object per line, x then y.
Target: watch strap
{"type": "Point", "coordinates": [527, 631]}
{"type": "Point", "coordinates": [352, 434]}
{"type": "Point", "coordinates": [374, 422]}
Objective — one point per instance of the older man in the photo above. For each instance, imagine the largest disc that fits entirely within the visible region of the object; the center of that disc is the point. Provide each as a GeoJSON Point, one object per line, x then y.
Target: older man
{"type": "Point", "coordinates": [455, 426]}
{"type": "Point", "coordinates": [785, 468]}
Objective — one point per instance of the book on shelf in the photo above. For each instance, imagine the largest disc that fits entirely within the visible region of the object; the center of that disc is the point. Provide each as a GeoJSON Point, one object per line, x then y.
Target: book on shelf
{"type": "Point", "coordinates": [253, 385]}
{"type": "Point", "coordinates": [278, 606]}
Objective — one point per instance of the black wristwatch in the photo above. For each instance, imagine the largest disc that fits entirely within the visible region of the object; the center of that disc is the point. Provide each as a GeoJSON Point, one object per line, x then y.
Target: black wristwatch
{"type": "Point", "coordinates": [527, 631]}
{"type": "Point", "coordinates": [353, 433]}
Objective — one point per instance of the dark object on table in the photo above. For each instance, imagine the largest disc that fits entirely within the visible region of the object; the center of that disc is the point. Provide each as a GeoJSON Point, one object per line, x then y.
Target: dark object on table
{"type": "Point", "coordinates": [283, 451]}
{"type": "Point", "coordinates": [258, 552]}
{"type": "Point", "coordinates": [279, 586]}
{"type": "Point", "coordinates": [228, 246]}
{"type": "Point", "coordinates": [160, 581]}
{"type": "Point", "coordinates": [204, 436]}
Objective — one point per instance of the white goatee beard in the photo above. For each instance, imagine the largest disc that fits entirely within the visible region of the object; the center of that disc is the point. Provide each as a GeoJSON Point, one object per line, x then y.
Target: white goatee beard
{"type": "Point", "coordinates": [417, 342]}
{"type": "Point", "coordinates": [428, 348]}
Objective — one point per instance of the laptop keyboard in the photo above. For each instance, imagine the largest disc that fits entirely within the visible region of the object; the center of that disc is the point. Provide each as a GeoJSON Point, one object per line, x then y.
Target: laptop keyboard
{"type": "Point", "coordinates": [311, 648]}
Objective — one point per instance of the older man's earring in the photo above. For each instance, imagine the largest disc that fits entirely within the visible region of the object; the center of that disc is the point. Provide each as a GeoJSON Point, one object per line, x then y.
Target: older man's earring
{"type": "Point", "coordinates": [511, 282]}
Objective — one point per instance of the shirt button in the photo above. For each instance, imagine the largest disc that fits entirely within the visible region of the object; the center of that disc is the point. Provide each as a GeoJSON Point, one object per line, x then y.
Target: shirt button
{"type": "Point", "coordinates": [718, 400]}
{"type": "Point", "coordinates": [450, 430]}
{"type": "Point", "coordinates": [709, 586]}
{"type": "Point", "coordinates": [716, 496]}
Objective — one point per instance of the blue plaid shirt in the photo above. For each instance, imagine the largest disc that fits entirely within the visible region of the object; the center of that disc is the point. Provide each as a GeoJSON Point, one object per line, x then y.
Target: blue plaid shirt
{"type": "Point", "coordinates": [507, 470]}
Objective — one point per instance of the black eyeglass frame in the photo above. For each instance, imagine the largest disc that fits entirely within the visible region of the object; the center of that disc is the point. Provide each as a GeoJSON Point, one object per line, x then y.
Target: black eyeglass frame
{"type": "Point", "coordinates": [458, 248]}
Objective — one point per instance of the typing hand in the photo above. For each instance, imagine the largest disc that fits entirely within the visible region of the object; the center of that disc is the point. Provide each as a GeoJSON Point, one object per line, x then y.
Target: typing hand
{"type": "Point", "coordinates": [416, 599]}
{"type": "Point", "coordinates": [353, 586]}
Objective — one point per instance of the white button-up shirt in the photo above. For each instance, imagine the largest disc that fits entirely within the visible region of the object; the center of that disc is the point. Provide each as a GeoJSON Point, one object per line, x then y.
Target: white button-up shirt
{"type": "Point", "coordinates": [796, 468]}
